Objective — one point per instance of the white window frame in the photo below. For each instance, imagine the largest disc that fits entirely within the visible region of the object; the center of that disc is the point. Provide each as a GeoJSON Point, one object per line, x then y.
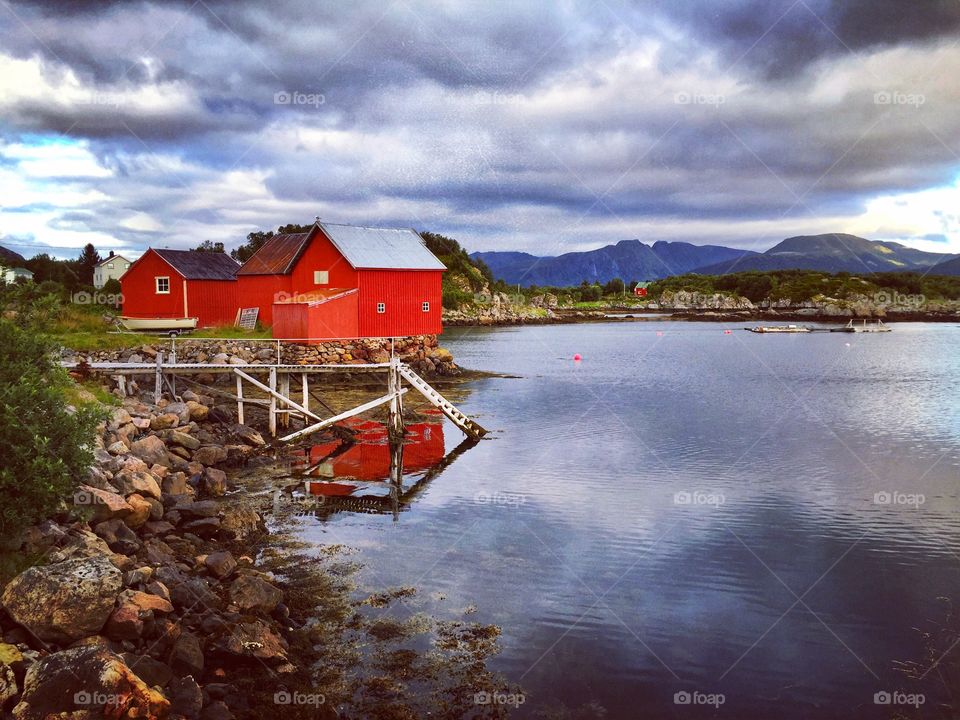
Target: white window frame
{"type": "Point", "coordinates": [425, 306]}
{"type": "Point", "coordinates": [110, 266]}
{"type": "Point", "coordinates": [321, 277]}
{"type": "Point", "coordinates": [156, 284]}
{"type": "Point", "coordinates": [381, 308]}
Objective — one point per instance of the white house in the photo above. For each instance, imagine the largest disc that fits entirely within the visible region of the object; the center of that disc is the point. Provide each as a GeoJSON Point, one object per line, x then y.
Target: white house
{"type": "Point", "coordinates": [110, 268]}
{"type": "Point", "coordinates": [11, 275]}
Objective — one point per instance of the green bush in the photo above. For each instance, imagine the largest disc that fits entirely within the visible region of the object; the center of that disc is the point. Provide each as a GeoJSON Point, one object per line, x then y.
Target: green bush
{"type": "Point", "coordinates": [47, 448]}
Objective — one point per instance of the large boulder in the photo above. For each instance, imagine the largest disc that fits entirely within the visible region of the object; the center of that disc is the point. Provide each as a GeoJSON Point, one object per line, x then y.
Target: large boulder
{"type": "Point", "coordinates": [249, 592]}
{"type": "Point", "coordinates": [254, 640]}
{"type": "Point", "coordinates": [64, 602]}
{"type": "Point", "coordinates": [151, 450]}
{"type": "Point", "coordinates": [210, 455]}
{"type": "Point", "coordinates": [105, 504]}
{"type": "Point", "coordinates": [141, 482]}
{"type": "Point", "coordinates": [214, 482]}
{"type": "Point", "coordinates": [87, 682]}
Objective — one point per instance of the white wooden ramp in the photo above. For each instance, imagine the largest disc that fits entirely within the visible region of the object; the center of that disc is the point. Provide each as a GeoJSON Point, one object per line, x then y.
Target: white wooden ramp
{"type": "Point", "coordinates": [470, 427]}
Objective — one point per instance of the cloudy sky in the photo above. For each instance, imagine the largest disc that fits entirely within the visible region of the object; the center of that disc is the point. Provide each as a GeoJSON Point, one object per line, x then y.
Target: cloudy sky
{"type": "Point", "coordinates": [544, 126]}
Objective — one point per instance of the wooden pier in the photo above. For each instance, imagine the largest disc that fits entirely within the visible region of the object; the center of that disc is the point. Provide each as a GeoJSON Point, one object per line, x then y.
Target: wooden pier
{"type": "Point", "coordinates": [280, 403]}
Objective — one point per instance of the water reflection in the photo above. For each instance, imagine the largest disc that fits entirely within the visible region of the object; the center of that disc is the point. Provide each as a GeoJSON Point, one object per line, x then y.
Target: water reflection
{"type": "Point", "coordinates": [368, 473]}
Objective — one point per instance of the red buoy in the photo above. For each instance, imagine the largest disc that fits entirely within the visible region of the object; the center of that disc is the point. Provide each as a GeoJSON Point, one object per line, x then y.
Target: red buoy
{"type": "Point", "coordinates": [577, 357]}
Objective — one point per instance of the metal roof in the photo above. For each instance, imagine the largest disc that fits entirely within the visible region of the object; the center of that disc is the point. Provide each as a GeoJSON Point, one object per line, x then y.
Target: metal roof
{"type": "Point", "coordinates": [194, 265]}
{"type": "Point", "coordinates": [362, 247]}
{"type": "Point", "coordinates": [383, 248]}
{"type": "Point", "coordinates": [276, 256]}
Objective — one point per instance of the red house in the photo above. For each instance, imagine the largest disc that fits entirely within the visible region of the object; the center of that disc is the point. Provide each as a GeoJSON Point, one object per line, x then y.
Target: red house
{"type": "Point", "coordinates": [343, 281]}
{"type": "Point", "coordinates": [182, 284]}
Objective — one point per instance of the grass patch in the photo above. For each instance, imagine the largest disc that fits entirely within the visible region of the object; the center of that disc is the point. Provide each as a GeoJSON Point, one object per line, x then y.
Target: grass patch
{"type": "Point", "coordinates": [230, 332]}
{"type": "Point", "coordinates": [82, 327]}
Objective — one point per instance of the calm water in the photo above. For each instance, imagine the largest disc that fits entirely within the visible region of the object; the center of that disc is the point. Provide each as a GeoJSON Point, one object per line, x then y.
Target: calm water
{"type": "Point", "coordinates": [691, 511]}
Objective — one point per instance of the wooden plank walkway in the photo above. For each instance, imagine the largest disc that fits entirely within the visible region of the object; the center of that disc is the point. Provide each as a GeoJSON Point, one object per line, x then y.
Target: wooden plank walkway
{"type": "Point", "coordinates": [280, 403]}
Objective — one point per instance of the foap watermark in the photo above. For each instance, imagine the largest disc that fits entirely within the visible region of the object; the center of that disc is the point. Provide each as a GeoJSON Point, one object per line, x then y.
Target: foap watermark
{"type": "Point", "coordinates": [102, 99]}
{"type": "Point", "coordinates": [699, 497]}
{"type": "Point", "coordinates": [295, 97]}
{"type": "Point", "coordinates": [96, 298]}
{"type": "Point", "coordinates": [499, 698]}
{"type": "Point", "coordinates": [894, 97]}
{"type": "Point", "coordinates": [508, 499]}
{"type": "Point", "coordinates": [85, 698]}
{"type": "Point", "coordinates": [85, 497]}
{"type": "Point", "coordinates": [498, 98]}
{"type": "Point", "coordinates": [486, 298]}
{"type": "Point", "coordinates": [896, 697]}
{"type": "Point", "coordinates": [683, 697]}
{"type": "Point", "coordinates": [893, 497]}
{"type": "Point", "coordinates": [885, 297]}
{"type": "Point", "coordinates": [298, 698]}
{"type": "Point", "coordinates": [295, 297]}
{"type": "Point", "coordinates": [699, 98]}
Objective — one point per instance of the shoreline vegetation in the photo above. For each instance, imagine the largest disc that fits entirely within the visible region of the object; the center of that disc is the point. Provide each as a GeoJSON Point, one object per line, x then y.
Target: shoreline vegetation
{"type": "Point", "coordinates": [754, 295]}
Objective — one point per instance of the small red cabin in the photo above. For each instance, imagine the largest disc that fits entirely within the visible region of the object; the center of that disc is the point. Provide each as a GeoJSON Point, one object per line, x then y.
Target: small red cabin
{"type": "Point", "coordinates": [182, 284]}
{"type": "Point", "coordinates": [343, 281]}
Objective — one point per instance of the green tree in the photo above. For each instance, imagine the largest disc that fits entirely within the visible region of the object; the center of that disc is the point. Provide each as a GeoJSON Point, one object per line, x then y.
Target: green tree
{"type": "Point", "coordinates": [614, 287]}
{"type": "Point", "coordinates": [88, 260]}
{"type": "Point", "coordinates": [210, 247]}
{"type": "Point", "coordinates": [47, 445]}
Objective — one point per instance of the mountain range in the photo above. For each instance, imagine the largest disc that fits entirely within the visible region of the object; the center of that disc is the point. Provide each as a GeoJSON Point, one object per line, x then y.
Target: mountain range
{"type": "Point", "coordinates": [634, 260]}
{"type": "Point", "coordinates": [628, 260]}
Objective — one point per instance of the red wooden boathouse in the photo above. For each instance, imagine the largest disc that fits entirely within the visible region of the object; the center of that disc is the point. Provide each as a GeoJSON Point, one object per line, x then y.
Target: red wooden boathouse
{"type": "Point", "coordinates": [181, 284]}
{"type": "Point", "coordinates": [343, 281]}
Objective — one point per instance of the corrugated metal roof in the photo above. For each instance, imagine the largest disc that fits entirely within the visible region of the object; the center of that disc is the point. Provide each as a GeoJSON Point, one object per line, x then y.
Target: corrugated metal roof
{"type": "Point", "coordinates": [194, 265]}
{"type": "Point", "coordinates": [384, 248]}
{"type": "Point", "coordinates": [276, 256]}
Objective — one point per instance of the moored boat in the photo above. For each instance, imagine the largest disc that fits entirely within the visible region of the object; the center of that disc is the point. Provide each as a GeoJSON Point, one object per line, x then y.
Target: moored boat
{"type": "Point", "coordinates": [780, 329]}
{"type": "Point", "coordinates": [157, 324]}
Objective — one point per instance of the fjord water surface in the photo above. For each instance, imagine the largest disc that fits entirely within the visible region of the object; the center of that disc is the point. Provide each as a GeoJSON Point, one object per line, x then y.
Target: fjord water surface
{"type": "Point", "coordinates": [771, 518]}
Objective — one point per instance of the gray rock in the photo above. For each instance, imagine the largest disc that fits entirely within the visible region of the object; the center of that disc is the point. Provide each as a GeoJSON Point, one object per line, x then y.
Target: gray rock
{"type": "Point", "coordinates": [72, 682]}
{"type": "Point", "coordinates": [251, 593]}
{"type": "Point", "coordinates": [64, 602]}
{"type": "Point", "coordinates": [151, 450]}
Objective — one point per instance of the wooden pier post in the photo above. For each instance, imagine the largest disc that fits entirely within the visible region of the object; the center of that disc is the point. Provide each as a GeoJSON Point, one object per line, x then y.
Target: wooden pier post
{"type": "Point", "coordinates": [395, 427]}
{"type": "Point", "coordinates": [240, 400]}
{"type": "Point", "coordinates": [273, 402]}
{"type": "Point", "coordinates": [285, 391]}
{"type": "Point", "coordinates": [306, 396]}
{"type": "Point", "coordinates": [158, 379]}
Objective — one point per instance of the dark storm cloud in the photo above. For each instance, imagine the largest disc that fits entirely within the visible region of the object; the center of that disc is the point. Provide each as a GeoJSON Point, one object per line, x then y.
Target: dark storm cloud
{"type": "Point", "coordinates": [532, 112]}
{"type": "Point", "coordinates": [783, 37]}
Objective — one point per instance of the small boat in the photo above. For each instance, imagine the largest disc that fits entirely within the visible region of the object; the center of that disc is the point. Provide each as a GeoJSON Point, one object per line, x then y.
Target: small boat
{"type": "Point", "coordinates": [780, 329]}
{"type": "Point", "coordinates": [879, 327]}
{"type": "Point", "coordinates": [161, 325]}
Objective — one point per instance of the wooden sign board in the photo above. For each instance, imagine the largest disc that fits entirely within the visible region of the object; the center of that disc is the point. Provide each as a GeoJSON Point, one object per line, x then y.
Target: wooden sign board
{"type": "Point", "coordinates": [247, 318]}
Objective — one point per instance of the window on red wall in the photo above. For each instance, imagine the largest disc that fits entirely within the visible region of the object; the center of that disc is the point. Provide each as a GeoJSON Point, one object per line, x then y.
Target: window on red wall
{"type": "Point", "coordinates": [381, 308]}
{"type": "Point", "coordinates": [163, 285]}
{"type": "Point", "coordinates": [426, 307]}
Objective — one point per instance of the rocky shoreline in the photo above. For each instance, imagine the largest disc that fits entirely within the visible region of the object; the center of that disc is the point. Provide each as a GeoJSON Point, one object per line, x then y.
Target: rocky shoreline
{"type": "Point", "coordinates": [145, 603]}
{"type": "Point", "coordinates": [158, 591]}
{"type": "Point", "coordinates": [717, 307]}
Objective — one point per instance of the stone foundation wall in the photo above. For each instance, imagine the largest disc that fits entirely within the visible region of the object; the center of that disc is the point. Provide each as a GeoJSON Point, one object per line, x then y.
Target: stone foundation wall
{"type": "Point", "coordinates": [420, 352]}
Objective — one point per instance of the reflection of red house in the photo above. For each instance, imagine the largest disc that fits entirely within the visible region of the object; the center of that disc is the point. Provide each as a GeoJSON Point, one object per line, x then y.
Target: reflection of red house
{"type": "Point", "coordinates": [342, 281]}
{"type": "Point", "coordinates": [368, 458]}
{"type": "Point", "coordinates": [182, 284]}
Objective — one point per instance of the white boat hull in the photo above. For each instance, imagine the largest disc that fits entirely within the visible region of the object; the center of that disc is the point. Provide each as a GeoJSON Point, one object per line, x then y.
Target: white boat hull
{"type": "Point", "coordinates": [159, 324]}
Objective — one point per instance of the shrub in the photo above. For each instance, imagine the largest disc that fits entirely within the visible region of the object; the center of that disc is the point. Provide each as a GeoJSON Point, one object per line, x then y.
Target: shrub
{"type": "Point", "coordinates": [47, 447]}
